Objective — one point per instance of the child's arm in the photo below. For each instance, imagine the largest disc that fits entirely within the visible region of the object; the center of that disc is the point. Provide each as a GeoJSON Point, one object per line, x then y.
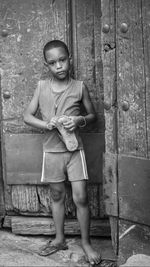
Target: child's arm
{"type": "Point", "coordinates": [29, 115]}
{"type": "Point", "coordinates": [80, 121]}
{"type": "Point", "coordinates": [90, 116]}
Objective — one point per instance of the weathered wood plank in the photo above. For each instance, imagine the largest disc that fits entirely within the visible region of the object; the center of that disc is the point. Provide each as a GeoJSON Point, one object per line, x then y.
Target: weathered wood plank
{"type": "Point", "coordinates": [132, 132]}
{"type": "Point", "coordinates": [45, 226]}
{"type": "Point", "coordinates": [146, 43]}
{"type": "Point", "coordinates": [8, 197]}
{"type": "Point", "coordinates": [109, 73]}
{"type": "Point", "coordinates": [110, 184]}
{"type": "Point", "coordinates": [29, 27]}
{"type": "Point", "coordinates": [25, 198]}
{"type": "Point", "coordinates": [93, 195]}
{"type": "Point", "coordinates": [114, 225]}
{"type": "Point", "coordinates": [23, 156]}
{"type": "Point", "coordinates": [7, 222]}
{"type": "Point", "coordinates": [31, 199]}
{"type": "Point", "coordinates": [2, 205]}
{"type": "Point", "coordinates": [87, 56]}
{"type": "Point", "coordinates": [108, 50]}
{"type": "Point", "coordinates": [134, 188]}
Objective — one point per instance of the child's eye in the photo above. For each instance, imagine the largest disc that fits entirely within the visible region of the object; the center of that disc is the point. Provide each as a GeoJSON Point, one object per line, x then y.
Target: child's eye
{"type": "Point", "coordinates": [62, 59]}
{"type": "Point", "coordinates": [51, 63]}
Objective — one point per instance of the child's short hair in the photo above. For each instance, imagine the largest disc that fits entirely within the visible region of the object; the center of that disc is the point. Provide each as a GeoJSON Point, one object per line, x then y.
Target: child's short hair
{"type": "Point", "coordinates": [54, 44]}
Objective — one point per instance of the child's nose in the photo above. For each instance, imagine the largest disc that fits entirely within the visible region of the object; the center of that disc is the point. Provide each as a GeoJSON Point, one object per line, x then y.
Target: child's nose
{"type": "Point", "coordinates": [58, 65]}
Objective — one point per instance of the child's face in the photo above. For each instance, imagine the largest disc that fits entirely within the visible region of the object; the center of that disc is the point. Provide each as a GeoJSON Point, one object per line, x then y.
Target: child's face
{"type": "Point", "coordinates": [58, 62]}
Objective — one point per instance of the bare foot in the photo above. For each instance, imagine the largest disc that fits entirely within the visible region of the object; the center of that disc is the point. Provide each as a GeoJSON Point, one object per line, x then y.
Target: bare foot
{"type": "Point", "coordinates": [93, 256]}
{"type": "Point", "coordinates": [56, 241]}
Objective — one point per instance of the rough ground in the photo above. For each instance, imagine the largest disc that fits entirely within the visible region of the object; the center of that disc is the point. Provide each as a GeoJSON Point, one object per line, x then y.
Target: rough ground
{"type": "Point", "coordinates": [16, 250]}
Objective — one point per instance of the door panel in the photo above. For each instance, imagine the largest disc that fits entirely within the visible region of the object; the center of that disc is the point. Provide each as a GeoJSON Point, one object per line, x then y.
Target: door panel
{"type": "Point", "coordinates": [133, 121]}
{"type": "Point", "coordinates": [127, 119]}
{"type": "Point", "coordinates": [25, 28]}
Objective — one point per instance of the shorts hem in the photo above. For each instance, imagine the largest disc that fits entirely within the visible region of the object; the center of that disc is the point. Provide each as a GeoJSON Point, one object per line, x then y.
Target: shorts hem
{"type": "Point", "coordinates": [52, 181]}
{"type": "Point", "coordinates": [75, 180]}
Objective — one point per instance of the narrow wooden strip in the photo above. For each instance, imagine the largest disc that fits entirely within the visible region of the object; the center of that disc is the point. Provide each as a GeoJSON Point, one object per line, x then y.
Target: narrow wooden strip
{"type": "Point", "coordinates": [45, 226]}
{"type": "Point", "coordinates": [146, 43]}
{"type": "Point", "coordinates": [7, 222]}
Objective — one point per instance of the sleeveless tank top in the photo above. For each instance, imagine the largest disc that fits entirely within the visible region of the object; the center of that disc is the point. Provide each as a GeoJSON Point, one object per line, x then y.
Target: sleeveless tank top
{"type": "Point", "coordinates": [56, 104]}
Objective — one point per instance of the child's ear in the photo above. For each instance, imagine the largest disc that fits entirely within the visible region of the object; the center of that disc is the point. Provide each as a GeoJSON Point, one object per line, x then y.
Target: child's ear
{"type": "Point", "coordinates": [45, 64]}
{"type": "Point", "coordinates": [71, 66]}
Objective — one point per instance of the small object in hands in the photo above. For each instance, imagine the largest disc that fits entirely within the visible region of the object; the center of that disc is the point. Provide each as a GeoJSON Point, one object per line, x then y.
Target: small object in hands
{"type": "Point", "coordinates": [68, 137]}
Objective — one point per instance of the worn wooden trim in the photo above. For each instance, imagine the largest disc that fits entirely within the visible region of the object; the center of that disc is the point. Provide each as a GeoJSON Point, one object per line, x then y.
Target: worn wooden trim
{"type": "Point", "coordinates": [145, 6]}
{"type": "Point", "coordinates": [2, 204]}
{"type": "Point", "coordinates": [110, 184]}
{"type": "Point", "coordinates": [45, 226]}
{"type": "Point", "coordinates": [108, 51]}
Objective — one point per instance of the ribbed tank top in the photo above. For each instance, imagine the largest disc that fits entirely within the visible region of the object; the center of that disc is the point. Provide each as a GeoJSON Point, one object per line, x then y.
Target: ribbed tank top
{"type": "Point", "coordinates": [56, 104]}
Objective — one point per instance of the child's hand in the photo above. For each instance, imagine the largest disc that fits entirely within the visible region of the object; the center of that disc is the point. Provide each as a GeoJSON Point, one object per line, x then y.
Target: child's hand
{"type": "Point", "coordinates": [52, 123]}
{"type": "Point", "coordinates": [71, 124]}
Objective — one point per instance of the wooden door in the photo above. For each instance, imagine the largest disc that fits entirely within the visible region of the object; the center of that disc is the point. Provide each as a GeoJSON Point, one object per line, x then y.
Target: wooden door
{"type": "Point", "coordinates": [25, 27]}
{"type": "Point", "coordinates": [127, 114]}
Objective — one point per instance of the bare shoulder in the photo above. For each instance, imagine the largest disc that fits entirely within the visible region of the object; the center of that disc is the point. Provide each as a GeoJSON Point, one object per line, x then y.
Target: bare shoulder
{"type": "Point", "coordinates": [38, 88]}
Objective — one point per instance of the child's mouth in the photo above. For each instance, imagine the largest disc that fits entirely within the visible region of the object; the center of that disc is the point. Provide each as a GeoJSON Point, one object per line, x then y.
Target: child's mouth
{"type": "Point", "coordinates": [61, 73]}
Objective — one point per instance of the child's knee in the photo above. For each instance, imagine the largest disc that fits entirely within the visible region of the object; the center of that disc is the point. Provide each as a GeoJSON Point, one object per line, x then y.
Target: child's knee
{"type": "Point", "coordinates": [80, 199]}
{"type": "Point", "coordinates": [57, 195]}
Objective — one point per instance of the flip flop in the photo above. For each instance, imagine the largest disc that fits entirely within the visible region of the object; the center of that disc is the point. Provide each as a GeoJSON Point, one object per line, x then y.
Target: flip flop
{"type": "Point", "coordinates": [49, 249]}
{"type": "Point", "coordinates": [69, 138]}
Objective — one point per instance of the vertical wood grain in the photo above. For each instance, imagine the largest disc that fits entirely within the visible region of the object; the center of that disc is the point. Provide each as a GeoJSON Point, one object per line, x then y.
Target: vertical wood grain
{"type": "Point", "coordinates": [146, 43]}
{"type": "Point", "coordinates": [133, 123]}
{"type": "Point", "coordinates": [29, 24]}
{"type": "Point", "coordinates": [86, 26]}
{"type": "Point", "coordinates": [132, 130]}
{"type": "Point", "coordinates": [109, 77]}
{"type": "Point", "coordinates": [108, 44]}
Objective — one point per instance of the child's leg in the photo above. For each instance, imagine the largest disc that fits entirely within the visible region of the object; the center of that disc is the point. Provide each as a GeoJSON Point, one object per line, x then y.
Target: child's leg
{"type": "Point", "coordinates": [79, 189]}
{"type": "Point", "coordinates": [58, 210]}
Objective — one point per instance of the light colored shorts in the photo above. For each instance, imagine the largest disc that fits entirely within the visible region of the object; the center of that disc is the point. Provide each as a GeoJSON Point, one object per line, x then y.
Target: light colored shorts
{"type": "Point", "coordinates": [58, 167]}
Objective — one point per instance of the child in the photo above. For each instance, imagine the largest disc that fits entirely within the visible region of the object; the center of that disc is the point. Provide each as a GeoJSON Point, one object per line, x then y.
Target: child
{"type": "Point", "coordinates": [59, 99]}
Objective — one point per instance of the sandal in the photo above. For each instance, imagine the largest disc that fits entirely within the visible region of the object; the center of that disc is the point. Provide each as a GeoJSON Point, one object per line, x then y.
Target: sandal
{"type": "Point", "coordinates": [69, 138]}
{"type": "Point", "coordinates": [49, 249]}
